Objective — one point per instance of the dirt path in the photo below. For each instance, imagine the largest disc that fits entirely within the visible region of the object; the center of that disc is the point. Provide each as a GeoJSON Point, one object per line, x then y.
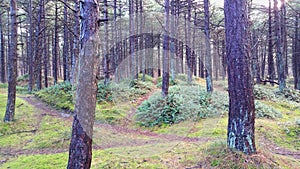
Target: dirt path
{"type": "Point", "coordinates": [124, 129]}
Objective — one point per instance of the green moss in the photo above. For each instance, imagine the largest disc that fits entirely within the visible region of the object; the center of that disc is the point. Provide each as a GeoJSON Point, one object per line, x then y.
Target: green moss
{"type": "Point", "coordinates": [212, 127]}
{"type": "Point", "coordinates": [111, 114]}
{"type": "Point", "coordinates": [52, 133]}
{"type": "Point", "coordinates": [42, 161]}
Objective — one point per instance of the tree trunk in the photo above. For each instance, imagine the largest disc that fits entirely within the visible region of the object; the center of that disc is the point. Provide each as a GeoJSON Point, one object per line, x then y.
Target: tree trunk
{"type": "Point", "coordinates": [279, 51]}
{"type": "Point", "coordinates": [12, 64]}
{"type": "Point", "coordinates": [55, 48]}
{"type": "Point", "coordinates": [80, 152]}
{"type": "Point", "coordinates": [38, 46]}
{"type": "Point", "coordinates": [240, 134]}
{"type": "Point", "coordinates": [66, 45]}
{"type": "Point", "coordinates": [296, 54]}
{"type": "Point", "coordinates": [208, 69]}
{"type": "Point", "coordinates": [75, 42]}
{"type": "Point", "coordinates": [30, 60]}
{"type": "Point", "coordinates": [271, 67]}
{"type": "Point", "coordinates": [166, 53]}
{"type": "Point", "coordinates": [2, 53]}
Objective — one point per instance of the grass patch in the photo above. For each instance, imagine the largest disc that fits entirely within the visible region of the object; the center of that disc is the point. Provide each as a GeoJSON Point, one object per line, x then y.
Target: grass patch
{"type": "Point", "coordinates": [52, 133]}
{"type": "Point", "coordinates": [110, 113]}
{"type": "Point", "coordinates": [11, 133]}
{"type": "Point", "coordinates": [219, 156]}
{"type": "Point", "coordinates": [42, 161]}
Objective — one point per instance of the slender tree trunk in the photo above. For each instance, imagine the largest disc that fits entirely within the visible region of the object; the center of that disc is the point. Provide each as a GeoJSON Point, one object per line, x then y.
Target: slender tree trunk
{"type": "Point", "coordinates": [80, 152]}
{"type": "Point", "coordinates": [30, 60]}
{"type": "Point", "coordinates": [106, 52]}
{"type": "Point", "coordinates": [271, 67]}
{"type": "Point", "coordinates": [241, 120]}
{"type": "Point", "coordinates": [284, 37]}
{"type": "Point", "coordinates": [12, 64]}
{"type": "Point", "coordinates": [76, 45]}
{"type": "Point", "coordinates": [166, 53]}
{"type": "Point", "coordinates": [55, 48]}
{"type": "Point", "coordinates": [188, 43]}
{"type": "Point", "coordinates": [208, 69]}
{"type": "Point", "coordinates": [66, 45]}
{"type": "Point", "coordinates": [2, 53]}
{"type": "Point", "coordinates": [158, 57]}
{"type": "Point", "coordinates": [38, 46]}
{"type": "Point", "coordinates": [279, 49]}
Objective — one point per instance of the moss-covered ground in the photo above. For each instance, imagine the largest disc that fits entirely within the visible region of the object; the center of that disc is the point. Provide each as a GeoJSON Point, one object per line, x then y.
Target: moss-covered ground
{"type": "Point", "coordinates": [39, 137]}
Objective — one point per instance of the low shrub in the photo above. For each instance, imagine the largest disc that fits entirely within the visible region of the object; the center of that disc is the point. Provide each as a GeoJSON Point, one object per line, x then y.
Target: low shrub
{"type": "Point", "coordinates": [264, 111]}
{"type": "Point", "coordinates": [263, 93]}
{"type": "Point", "coordinates": [59, 96]}
{"type": "Point", "coordinates": [181, 104]}
{"type": "Point", "coordinates": [289, 94]}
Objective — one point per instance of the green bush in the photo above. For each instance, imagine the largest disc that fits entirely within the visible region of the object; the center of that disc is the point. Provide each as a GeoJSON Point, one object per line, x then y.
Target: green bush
{"type": "Point", "coordinates": [265, 111]}
{"type": "Point", "coordinates": [181, 104]}
{"type": "Point", "coordinates": [123, 92]}
{"type": "Point", "coordinates": [147, 78]}
{"type": "Point", "coordinates": [290, 94]}
{"type": "Point", "coordinates": [59, 96]}
{"type": "Point", "coordinates": [104, 93]}
{"type": "Point", "coordinates": [263, 93]}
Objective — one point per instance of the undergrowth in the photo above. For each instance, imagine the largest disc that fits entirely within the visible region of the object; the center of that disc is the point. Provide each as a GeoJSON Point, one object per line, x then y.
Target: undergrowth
{"type": "Point", "coordinates": [183, 103]}
{"type": "Point", "coordinates": [59, 96]}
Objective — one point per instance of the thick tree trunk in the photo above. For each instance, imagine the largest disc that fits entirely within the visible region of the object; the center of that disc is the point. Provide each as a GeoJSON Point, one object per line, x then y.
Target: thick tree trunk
{"type": "Point", "coordinates": [296, 55]}
{"type": "Point", "coordinates": [279, 49]}
{"type": "Point", "coordinates": [75, 42]}
{"type": "Point", "coordinates": [240, 134]}
{"type": "Point", "coordinates": [12, 64]}
{"type": "Point", "coordinates": [208, 69]}
{"type": "Point", "coordinates": [80, 152]}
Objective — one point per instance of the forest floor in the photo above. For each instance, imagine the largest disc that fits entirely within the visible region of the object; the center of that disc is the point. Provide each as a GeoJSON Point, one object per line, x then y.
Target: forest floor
{"type": "Point", "coordinates": [40, 138]}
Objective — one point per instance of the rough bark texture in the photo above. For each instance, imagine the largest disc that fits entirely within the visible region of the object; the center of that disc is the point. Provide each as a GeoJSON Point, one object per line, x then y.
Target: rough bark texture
{"type": "Point", "coordinates": [296, 54]}
{"type": "Point", "coordinates": [12, 64]}
{"type": "Point", "coordinates": [208, 69]}
{"type": "Point", "coordinates": [80, 152]}
{"type": "Point", "coordinates": [30, 50]}
{"type": "Point", "coordinates": [279, 49]}
{"type": "Point", "coordinates": [166, 53]}
{"type": "Point", "coordinates": [2, 55]}
{"type": "Point", "coordinates": [66, 46]}
{"type": "Point", "coordinates": [55, 46]}
{"type": "Point", "coordinates": [271, 67]}
{"type": "Point", "coordinates": [240, 134]}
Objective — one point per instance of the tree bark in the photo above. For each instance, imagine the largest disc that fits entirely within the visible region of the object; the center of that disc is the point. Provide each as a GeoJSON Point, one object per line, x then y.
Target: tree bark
{"type": "Point", "coordinates": [55, 47]}
{"type": "Point", "coordinates": [241, 120]}
{"type": "Point", "coordinates": [80, 152]}
{"type": "Point", "coordinates": [279, 49]}
{"type": "Point", "coordinates": [166, 53]}
{"type": "Point", "coordinates": [12, 64]}
{"type": "Point", "coordinates": [2, 53]}
{"type": "Point", "coordinates": [271, 67]}
{"type": "Point", "coordinates": [66, 46]}
{"type": "Point", "coordinates": [30, 50]}
{"type": "Point", "coordinates": [208, 69]}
